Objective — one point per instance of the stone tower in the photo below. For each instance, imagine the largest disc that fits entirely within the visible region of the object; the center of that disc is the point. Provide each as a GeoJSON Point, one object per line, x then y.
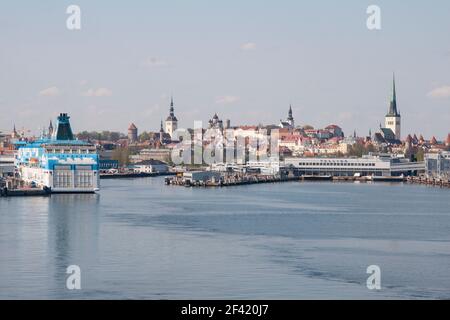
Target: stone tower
{"type": "Point", "coordinates": [132, 133]}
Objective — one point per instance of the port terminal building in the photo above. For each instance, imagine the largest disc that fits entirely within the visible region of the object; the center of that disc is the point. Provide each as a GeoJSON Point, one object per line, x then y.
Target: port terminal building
{"type": "Point", "coordinates": [383, 166]}
{"type": "Point", "coordinates": [438, 165]}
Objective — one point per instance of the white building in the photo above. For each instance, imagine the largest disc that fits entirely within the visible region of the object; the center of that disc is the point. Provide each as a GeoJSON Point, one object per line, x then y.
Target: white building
{"type": "Point", "coordinates": [365, 166]}
{"type": "Point", "coordinates": [438, 165]}
{"type": "Point", "coordinates": [151, 166]}
{"type": "Point", "coordinates": [6, 165]}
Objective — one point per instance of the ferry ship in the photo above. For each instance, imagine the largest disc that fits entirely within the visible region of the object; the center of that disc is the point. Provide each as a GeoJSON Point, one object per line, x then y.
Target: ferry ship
{"type": "Point", "coordinates": [60, 162]}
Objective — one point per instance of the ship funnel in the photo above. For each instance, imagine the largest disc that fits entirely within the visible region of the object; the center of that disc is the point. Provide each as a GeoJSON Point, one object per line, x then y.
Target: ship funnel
{"type": "Point", "coordinates": [63, 130]}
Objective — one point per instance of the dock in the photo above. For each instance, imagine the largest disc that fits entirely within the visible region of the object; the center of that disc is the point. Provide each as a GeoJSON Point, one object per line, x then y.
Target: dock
{"type": "Point", "coordinates": [436, 182]}
{"type": "Point", "coordinates": [128, 175]}
{"type": "Point", "coordinates": [370, 179]}
{"type": "Point", "coordinates": [222, 179]}
{"type": "Point", "coordinates": [229, 180]}
{"type": "Point", "coordinates": [25, 192]}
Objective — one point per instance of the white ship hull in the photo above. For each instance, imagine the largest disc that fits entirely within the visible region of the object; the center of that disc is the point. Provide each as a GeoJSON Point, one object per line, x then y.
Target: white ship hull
{"type": "Point", "coordinates": [62, 181]}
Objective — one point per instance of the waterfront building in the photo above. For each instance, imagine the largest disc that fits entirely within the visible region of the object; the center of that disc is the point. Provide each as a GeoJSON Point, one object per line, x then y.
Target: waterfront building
{"type": "Point", "coordinates": [438, 165]}
{"type": "Point", "coordinates": [393, 117]}
{"type": "Point", "coordinates": [200, 176]}
{"type": "Point", "coordinates": [365, 166]}
{"type": "Point", "coordinates": [132, 133]}
{"type": "Point", "coordinates": [268, 167]}
{"type": "Point", "coordinates": [171, 121]}
{"type": "Point", "coordinates": [150, 166]}
{"type": "Point", "coordinates": [6, 165]}
{"type": "Point", "coordinates": [149, 154]}
{"type": "Point", "coordinates": [60, 162]}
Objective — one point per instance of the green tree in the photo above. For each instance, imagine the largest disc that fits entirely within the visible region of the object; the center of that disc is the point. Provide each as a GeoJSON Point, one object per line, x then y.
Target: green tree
{"type": "Point", "coordinates": [122, 155]}
{"type": "Point", "coordinates": [420, 155]}
{"type": "Point", "coordinates": [144, 136]}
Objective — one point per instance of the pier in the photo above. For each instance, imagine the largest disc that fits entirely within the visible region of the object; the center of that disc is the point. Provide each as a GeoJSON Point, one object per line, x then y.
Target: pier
{"type": "Point", "coordinates": [25, 192]}
{"type": "Point", "coordinates": [436, 182]}
{"type": "Point", "coordinates": [127, 175]}
{"type": "Point", "coordinates": [216, 179]}
{"type": "Point", "coordinates": [229, 180]}
{"type": "Point", "coordinates": [15, 187]}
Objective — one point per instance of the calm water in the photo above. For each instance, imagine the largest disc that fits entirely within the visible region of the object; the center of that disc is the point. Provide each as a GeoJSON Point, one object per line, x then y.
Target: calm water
{"type": "Point", "coordinates": [142, 239]}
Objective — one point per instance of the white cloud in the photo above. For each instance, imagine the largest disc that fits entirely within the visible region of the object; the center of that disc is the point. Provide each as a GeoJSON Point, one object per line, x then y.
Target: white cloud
{"type": "Point", "coordinates": [227, 99]}
{"type": "Point", "coordinates": [153, 111]}
{"type": "Point", "coordinates": [100, 92]}
{"type": "Point", "coordinates": [50, 92]}
{"type": "Point", "coordinates": [344, 116]}
{"type": "Point", "coordinates": [248, 46]}
{"type": "Point", "coordinates": [154, 62]}
{"type": "Point", "coordinates": [441, 92]}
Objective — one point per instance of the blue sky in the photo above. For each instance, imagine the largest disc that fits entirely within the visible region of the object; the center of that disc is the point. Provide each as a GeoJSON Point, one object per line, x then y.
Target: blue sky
{"type": "Point", "coordinates": [245, 60]}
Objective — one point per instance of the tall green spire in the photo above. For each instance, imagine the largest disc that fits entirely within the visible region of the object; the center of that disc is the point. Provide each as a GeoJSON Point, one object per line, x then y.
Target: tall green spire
{"type": "Point", "coordinates": [393, 112]}
{"type": "Point", "coordinates": [394, 94]}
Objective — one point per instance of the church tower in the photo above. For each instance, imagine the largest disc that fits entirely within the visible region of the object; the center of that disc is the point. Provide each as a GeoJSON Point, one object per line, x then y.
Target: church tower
{"type": "Point", "coordinates": [290, 118]}
{"type": "Point", "coordinates": [161, 133]}
{"type": "Point", "coordinates": [393, 118]}
{"type": "Point", "coordinates": [14, 134]}
{"type": "Point", "coordinates": [50, 129]}
{"type": "Point", "coordinates": [171, 121]}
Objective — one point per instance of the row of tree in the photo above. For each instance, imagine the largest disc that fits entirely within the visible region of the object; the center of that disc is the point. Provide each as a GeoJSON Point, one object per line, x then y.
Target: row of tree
{"type": "Point", "coordinates": [103, 135]}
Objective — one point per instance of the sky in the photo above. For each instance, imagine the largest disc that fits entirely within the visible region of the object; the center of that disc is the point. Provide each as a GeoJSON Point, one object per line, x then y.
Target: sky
{"type": "Point", "coordinates": [245, 60]}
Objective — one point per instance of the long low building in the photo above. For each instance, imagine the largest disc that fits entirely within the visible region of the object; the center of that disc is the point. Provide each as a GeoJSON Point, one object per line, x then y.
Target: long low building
{"type": "Point", "coordinates": [6, 165]}
{"type": "Point", "coordinates": [438, 165]}
{"type": "Point", "coordinates": [365, 166]}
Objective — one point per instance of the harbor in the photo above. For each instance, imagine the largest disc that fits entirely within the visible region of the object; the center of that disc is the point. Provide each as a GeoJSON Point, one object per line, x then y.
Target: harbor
{"type": "Point", "coordinates": [284, 230]}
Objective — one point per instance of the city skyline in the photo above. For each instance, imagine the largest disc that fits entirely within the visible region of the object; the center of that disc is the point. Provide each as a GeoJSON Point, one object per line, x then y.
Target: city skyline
{"type": "Point", "coordinates": [249, 71]}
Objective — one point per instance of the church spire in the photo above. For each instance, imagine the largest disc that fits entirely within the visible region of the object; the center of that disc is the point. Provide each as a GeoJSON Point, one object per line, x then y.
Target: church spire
{"type": "Point", "coordinates": [172, 110]}
{"type": "Point", "coordinates": [50, 129]}
{"type": "Point", "coordinates": [393, 112]}
{"type": "Point", "coordinates": [14, 133]}
{"type": "Point", "coordinates": [290, 118]}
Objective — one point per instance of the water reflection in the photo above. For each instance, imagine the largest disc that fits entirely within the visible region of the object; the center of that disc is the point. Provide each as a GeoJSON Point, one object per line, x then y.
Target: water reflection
{"type": "Point", "coordinates": [141, 239]}
{"type": "Point", "coordinates": [73, 235]}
